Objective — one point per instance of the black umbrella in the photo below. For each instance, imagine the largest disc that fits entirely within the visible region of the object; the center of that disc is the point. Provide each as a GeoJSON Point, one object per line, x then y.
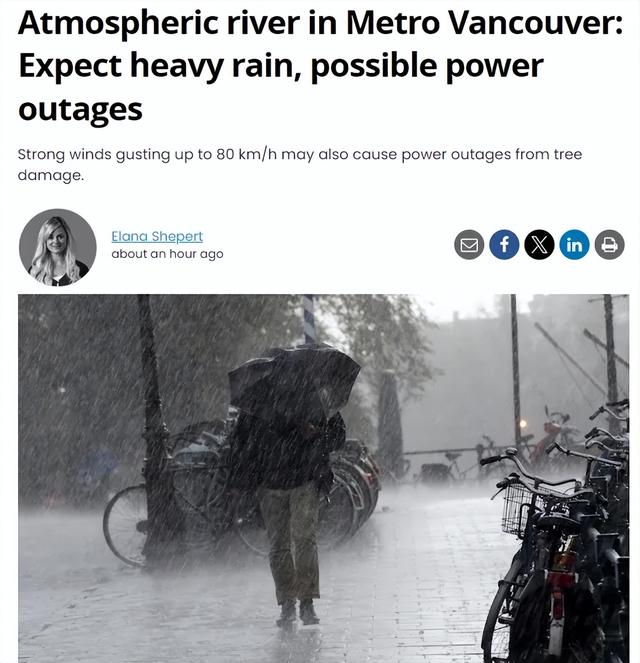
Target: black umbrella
{"type": "Point", "coordinates": [303, 383]}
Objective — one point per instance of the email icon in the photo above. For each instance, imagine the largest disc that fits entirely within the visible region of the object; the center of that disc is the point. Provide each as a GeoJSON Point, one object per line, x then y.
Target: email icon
{"type": "Point", "coordinates": [469, 245]}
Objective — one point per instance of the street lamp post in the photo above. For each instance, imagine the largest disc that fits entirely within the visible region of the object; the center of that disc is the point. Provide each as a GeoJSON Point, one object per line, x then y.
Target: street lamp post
{"type": "Point", "coordinates": [515, 365]}
{"type": "Point", "coordinates": [612, 371]}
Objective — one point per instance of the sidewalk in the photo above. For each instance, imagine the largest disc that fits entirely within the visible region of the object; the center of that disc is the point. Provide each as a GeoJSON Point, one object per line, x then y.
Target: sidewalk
{"type": "Point", "coordinates": [415, 585]}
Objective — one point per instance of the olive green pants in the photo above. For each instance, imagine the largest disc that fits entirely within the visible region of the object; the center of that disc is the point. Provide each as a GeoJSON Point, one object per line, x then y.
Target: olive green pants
{"type": "Point", "coordinates": [291, 519]}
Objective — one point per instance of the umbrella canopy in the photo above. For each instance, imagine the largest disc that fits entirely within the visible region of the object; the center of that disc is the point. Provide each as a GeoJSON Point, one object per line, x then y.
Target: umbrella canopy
{"type": "Point", "coordinates": [304, 383]}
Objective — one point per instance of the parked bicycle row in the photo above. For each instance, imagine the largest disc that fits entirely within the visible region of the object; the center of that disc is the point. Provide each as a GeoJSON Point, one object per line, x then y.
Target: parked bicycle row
{"type": "Point", "coordinates": [565, 597]}
{"type": "Point", "coordinates": [212, 512]}
{"type": "Point", "coordinates": [465, 464]}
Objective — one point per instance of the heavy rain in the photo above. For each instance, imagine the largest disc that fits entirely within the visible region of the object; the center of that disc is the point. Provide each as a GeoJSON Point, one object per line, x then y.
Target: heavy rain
{"type": "Point", "coordinates": [182, 459]}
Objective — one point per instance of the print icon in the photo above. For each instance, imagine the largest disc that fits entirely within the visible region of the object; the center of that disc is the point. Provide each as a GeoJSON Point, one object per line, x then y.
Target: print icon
{"type": "Point", "coordinates": [609, 244]}
{"type": "Point", "coordinates": [469, 244]}
{"type": "Point", "coordinates": [574, 244]}
{"type": "Point", "coordinates": [504, 244]}
{"type": "Point", "coordinates": [539, 244]}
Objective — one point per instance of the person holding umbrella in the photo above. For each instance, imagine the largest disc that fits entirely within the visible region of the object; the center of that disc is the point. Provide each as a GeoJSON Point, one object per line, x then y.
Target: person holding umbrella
{"type": "Point", "coordinates": [287, 426]}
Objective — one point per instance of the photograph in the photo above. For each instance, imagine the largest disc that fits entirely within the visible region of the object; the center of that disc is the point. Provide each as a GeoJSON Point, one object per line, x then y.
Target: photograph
{"type": "Point", "coordinates": [281, 477]}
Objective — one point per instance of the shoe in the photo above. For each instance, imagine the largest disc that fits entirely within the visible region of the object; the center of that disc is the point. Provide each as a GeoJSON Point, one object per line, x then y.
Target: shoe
{"type": "Point", "coordinates": [307, 612]}
{"type": "Point", "coordinates": [287, 614]}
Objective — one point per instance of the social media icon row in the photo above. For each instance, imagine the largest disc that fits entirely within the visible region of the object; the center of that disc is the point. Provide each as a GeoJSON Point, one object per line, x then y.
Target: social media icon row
{"type": "Point", "coordinates": [539, 244]}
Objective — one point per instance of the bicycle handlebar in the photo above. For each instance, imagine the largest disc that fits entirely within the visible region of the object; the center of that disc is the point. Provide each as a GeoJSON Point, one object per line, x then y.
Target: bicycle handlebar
{"type": "Point", "coordinates": [511, 455]}
{"type": "Point", "coordinates": [490, 459]}
{"type": "Point", "coordinates": [594, 432]}
{"type": "Point", "coordinates": [601, 432]}
{"type": "Point", "coordinates": [604, 408]}
{"type": "Point", "coordinates": [589, 457]}
{"type": "Point", "coordinates": [515, 479]}
{"type": "Point", "coordinates": [601, 445]}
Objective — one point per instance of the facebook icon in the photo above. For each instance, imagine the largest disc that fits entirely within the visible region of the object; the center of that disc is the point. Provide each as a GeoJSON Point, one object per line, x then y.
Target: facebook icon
{"type": "Point", "coordinates": [504, 244]}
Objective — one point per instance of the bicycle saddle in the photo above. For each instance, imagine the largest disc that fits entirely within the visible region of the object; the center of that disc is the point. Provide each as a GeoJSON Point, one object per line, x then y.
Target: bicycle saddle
{"type": "Point", "coordinates": [586, 494]}
{"type": "Point", "coordinates": [450, 456]}
{"type": "Point", "coordinates": [525, 438]}
{"type": "Point", "coordinates": [552, 520]}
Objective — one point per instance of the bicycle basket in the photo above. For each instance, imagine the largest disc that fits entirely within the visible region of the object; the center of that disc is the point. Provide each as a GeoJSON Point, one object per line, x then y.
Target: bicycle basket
{"type": "Point", "coordinates": [514, 517]}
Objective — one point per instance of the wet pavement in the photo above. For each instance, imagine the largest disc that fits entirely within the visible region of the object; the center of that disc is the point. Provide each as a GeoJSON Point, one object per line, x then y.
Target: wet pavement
{"type": "Point", "coordinates": [414, 585]}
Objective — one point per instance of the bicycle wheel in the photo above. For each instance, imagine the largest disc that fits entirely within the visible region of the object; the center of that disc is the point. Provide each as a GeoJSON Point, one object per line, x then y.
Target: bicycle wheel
{"type": "Point", "coordinates": [219, 500]}
{"type": "Point", "coordinates": [338, 517]}
{"type": "Point", "coordinates": [190, 488]}
{"type": "Point", "coordinates": [124, 524]}
{"type": "Point", "coordinates": [201, 494]}
{"type": "Point", "coordinates": [367, 490]}
{"type": "Point", "coordinates": [209, 433]}
{"type": "Point", "coordinates": [495, 635]}
{"type": "Point", "coordinates": [249, 525]}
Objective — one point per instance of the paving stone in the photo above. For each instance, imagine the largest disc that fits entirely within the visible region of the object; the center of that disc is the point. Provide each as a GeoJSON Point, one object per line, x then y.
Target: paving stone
{"type": "Point", "coordinates": [414, 585]}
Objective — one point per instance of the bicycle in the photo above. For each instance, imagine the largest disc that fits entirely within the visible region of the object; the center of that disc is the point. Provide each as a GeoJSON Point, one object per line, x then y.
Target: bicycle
{"type": "Point", "coordinates": [491, 448]}
{"type": "Point", "coordinates": [339, 516]}
{"type": "Point", "coordinates": [199, 475]}
{"type": "Point", "coordinates": [546, 607]}
{"type": "Point", "coordinates": [356, 460]}
{"type": "Point", "coordinates": [611, 480]}
{"type": "Point", "coordinates": [615, 414]}
{"type": "Point", "coordinates": [440, 473]}
{"type": "Point", "coordinates": [611, 543]}
{"type": "Point", "coordinates": [450, 472]}
{"type": "Point", "coordinates": [556, 429]}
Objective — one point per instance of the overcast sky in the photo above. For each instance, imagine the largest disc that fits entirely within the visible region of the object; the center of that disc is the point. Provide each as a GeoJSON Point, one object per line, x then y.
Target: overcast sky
{"type": "Point", "coordinates": [442, 309]}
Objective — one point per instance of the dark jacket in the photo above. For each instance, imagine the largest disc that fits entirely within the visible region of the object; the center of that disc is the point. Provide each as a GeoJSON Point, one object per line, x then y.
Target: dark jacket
{"type": "Point", "coordinates": [65, 280]}
{"type": "Point", "coordinates": [281, 454]}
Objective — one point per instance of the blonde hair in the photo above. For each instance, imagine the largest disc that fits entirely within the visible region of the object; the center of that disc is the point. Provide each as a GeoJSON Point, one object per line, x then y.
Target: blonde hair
{"type": "Point", "coordinates": [42, 264]}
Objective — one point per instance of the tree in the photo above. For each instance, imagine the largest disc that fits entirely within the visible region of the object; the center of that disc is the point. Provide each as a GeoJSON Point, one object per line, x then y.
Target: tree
{"type": "Point", "coordinates": [80, 379]}
{"type": "Point", "coordinates": [384, 333]}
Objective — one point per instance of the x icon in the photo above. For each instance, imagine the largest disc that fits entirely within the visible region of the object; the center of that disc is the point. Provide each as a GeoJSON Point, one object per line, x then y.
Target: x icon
{"type": "Point", "coordinates": [539, 244]}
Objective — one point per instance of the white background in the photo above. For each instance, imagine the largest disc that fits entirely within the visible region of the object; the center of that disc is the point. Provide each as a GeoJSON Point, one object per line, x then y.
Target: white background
{"type": "Point", "coordinates": [327, 226]}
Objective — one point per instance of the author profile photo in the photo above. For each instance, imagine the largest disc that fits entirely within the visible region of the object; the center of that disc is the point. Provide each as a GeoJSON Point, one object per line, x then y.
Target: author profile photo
{"type": "Point", "coordinates": [57, 248]}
